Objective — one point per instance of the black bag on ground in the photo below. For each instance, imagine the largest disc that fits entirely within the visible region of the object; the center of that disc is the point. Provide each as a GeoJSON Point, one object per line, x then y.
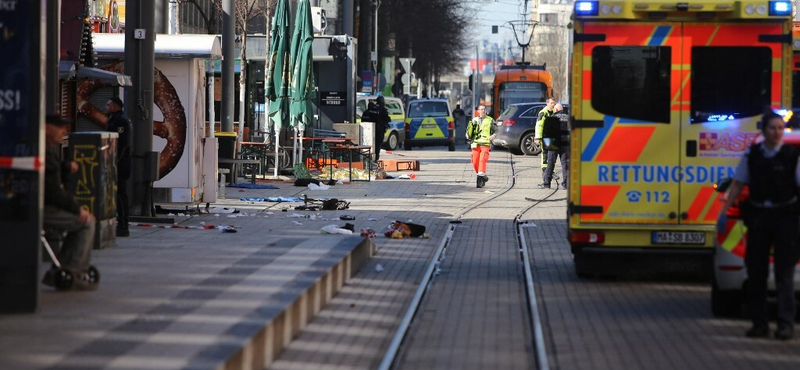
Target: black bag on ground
{"type": "Point", "coordinates": [305, 182]}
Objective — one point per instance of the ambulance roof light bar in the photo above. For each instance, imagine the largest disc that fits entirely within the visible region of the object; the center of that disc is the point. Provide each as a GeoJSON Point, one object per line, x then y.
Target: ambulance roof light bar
{"type": "Point", "coordinates": [780, 8]}
{"type": "Point", "coordinates": [587, 8]}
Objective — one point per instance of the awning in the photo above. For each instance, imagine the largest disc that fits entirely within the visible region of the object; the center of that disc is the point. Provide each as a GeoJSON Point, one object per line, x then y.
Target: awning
{"type": "Point", "coordinates": [112, 45]}
{"type": "Point", "coordinates": [69, 70]}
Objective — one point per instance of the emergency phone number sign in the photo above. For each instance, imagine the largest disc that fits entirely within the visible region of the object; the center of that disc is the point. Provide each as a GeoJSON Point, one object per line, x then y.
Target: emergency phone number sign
{"type": "Point", "coordinates": [333, 98]}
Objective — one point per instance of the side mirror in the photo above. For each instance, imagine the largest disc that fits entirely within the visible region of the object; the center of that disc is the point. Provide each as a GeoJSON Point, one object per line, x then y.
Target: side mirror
{"type": "Point", "coordinates": [723, 185]}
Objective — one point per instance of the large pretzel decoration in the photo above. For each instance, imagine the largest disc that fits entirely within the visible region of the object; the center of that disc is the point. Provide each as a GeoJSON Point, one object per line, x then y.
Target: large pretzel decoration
{"type": "Point", "coordinates": [172, 129]}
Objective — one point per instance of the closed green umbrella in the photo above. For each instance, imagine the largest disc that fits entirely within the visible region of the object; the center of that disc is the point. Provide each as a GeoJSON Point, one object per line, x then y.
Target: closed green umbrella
{"type": "Point", "coordinates": [278, 72]}
{"type": "Point", "coordinates": [301, 90]}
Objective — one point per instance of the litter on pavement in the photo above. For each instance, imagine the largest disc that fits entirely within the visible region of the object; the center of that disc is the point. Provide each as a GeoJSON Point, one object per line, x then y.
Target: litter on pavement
{"type": "Point", "coordinates": [271, 199]}
{"type": "Point", "coordinates": [335, 229]}
{"type": "Point", "coordinates": [252, 186]}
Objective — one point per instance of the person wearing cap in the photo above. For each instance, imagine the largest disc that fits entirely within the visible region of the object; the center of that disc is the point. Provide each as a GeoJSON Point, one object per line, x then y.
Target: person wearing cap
{"type": "Point", "coordinates": [381, 125]}
{"type": "Point", "coordinates": [771, 170]}
{"type": "Point", "coordinates": [62, 213]}
{"type": "Point", "coordinates": [119, 123]}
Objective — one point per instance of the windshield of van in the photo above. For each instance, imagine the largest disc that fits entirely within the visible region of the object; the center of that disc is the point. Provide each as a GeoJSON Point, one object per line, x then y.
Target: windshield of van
{"type": "Point", "coordinates": [428, 109]}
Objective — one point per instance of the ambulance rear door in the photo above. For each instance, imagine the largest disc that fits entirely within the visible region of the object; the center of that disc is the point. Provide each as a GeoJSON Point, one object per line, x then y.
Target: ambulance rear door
{"type": "Point", "coordinates": [628, 124]}
{"type": "Point", "coordinates": [731, 73]}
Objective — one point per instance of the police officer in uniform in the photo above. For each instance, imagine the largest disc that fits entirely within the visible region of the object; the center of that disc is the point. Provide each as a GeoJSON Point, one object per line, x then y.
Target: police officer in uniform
{"type": "Point", "coordinates": [771, 216]}
{"type": "Point", "coordinates": [119, 123]}
{"type": "Point", "coordinates": [381, 125]}
{"type": "Point", "coordinates": [560, 149]}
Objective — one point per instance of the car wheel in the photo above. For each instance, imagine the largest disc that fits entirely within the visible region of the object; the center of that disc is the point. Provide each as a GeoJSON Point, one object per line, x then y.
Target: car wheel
{"type": "Point", "coordinates": [527, 145]}
{"type": "Point", "coordinates": [393, 141]}
{"type": "Point", "coordinates": [726, 303]}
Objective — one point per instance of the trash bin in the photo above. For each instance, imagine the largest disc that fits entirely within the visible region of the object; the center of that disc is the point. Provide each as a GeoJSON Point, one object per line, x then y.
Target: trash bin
{"type": "Point", "coordinates": [227, 149]}
{"type": "Point", "coordinates": [95, 184]}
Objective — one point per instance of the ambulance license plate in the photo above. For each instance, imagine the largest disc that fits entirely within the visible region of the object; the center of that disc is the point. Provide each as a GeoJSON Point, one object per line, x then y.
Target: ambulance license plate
{"type": "Point", "coordinates": [679, 237]}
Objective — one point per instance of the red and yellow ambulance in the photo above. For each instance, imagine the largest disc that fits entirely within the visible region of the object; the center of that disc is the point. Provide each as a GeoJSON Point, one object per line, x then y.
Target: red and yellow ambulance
{"type": "Point", "coordinates": [665, 98]}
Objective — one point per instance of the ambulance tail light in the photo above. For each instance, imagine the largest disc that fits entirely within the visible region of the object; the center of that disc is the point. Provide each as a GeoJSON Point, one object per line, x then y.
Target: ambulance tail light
{"type": "Point", "coordinates": [587, 237]}
{"type": "Point", "coordinates": [451, 125]}
{"type": "Point", "coordinates": [780, 8]}
{"type": "Point", "coordinates": [587, 7]}
{"type": "Point", "coordinates": [407, 127]}
{"type": "Point", "coordinates": [509, 122]}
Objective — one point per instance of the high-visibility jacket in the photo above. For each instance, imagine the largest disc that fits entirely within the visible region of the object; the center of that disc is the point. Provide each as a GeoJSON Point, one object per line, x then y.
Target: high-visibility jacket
{"type": "Point", "coordinates": [480, 130]}
{"type": "Point", "coordinates": [543, 115]}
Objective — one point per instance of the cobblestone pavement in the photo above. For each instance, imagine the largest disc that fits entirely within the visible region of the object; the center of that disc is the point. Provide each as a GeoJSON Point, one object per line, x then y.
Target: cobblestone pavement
{"type": "Point", "coordinates": [355, 328]}
{"type": "Point", "coordinates": [475, 314]}
{"type": "Point", "coordinates": [647, 322]}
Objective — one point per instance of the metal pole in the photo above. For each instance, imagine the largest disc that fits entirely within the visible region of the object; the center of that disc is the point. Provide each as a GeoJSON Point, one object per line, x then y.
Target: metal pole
{"type": "Point", "coordinates": [53, 38]}
{"type": "Point", "coordinates": [375, 62]}
{"type": "Point", "coordinates": [139, 64]}
{"type": "Point", "coordinates": [228, 59]}
{"type": "Point", "coordinates": [347, 17]}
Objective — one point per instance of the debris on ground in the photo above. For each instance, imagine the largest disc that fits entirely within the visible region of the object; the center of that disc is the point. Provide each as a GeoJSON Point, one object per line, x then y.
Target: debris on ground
{"type": "Point", "coordinates": [223, 210]}
{"type": "Point", "coordinates": [399, 230]}
{"type": "Point", "coordinates": [378, 267]}
{"type": "Point", "coordinates": [335, 229]}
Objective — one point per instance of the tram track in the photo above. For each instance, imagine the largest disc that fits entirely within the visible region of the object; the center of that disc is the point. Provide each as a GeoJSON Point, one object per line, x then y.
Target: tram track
{"type": "Point", "coordinates": [400, 339]}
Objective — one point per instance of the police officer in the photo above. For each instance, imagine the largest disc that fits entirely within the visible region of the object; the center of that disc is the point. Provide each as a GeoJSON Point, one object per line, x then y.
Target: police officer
{"type": "Point", "coordinates": [560, 149]}
{"type": "Point", "coordinates": [381, 125]}
{"type": "Point", "coordinates": [770, 169]}
{"type": "Point", "coordinates": [119, 123]}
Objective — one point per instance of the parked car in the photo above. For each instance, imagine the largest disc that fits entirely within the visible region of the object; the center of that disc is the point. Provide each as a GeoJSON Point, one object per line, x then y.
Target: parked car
{"type": "Point", "coordinates": [396, 132]}
{"type": "Point", "coordinates": [730, 273]}
{"type": "Point", "coordinates": [429, 122]}
{"type": "Point", "coordinates": [516, 125]}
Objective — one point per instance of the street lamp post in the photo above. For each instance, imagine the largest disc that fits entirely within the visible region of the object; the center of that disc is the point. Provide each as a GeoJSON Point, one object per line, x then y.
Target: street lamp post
{"type": "Point", "coordinates": [375, 52]}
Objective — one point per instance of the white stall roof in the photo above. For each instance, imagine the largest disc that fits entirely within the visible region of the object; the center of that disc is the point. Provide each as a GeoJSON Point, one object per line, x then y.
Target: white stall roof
{"type": "Point", "coordinates": [167, 46]}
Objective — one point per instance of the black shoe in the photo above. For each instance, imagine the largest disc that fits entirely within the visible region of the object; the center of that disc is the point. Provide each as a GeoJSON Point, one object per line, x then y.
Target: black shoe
{"type": "Point", "coordinates": [485, 179]}
{"type": "Point", "coordinates": [784, 334]}
{"type": "Point", "coordinates": [564, 185]}
{"type": "Point", "coordinates": [480, 182]}
{"type": "Point", "coordinates": [543, 186]}
{"type": "Point", "coordinates": [758, 332]}
{"type": "Point", "coordinates": [123, 232]}
{"type": "Point", "coordinates": [84, 281]}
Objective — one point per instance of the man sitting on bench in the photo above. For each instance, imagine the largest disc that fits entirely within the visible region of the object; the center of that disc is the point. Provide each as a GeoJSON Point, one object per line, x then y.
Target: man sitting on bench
{"type": "Point", "coordinates": [62, 212]}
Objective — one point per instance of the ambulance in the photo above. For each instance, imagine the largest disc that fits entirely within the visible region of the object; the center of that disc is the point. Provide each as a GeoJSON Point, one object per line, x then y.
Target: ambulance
{"type": "Point", "coordinates": [665, 98]}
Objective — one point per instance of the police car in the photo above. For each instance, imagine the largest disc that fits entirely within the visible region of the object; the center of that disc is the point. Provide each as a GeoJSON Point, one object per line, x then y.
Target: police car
{"type": "Point", "coordinates": [730, 274]}
{"type": "Point", "coordinates": [429, 122]}
{"type": "Point", "coordinates": [396, 133]}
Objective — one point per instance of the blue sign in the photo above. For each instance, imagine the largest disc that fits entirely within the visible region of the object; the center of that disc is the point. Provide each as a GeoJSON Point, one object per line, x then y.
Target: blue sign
{"type": "Point", "coordinates": [366, 78]}
{"type": "Point", "coordinates": [15, 86]}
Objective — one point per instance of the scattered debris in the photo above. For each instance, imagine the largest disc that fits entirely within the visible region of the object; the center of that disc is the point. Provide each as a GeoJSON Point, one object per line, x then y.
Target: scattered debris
{"type": "Point", "coordinates": [223, 210]}
{"type": "Point", "coordinates": [378, 267]}
{"type": "Point", "coordinates": [313, 186]}
{"type": "Point", "coordinates": [399, 230]}
{"type": "Point", "coordinates": [335, 229]}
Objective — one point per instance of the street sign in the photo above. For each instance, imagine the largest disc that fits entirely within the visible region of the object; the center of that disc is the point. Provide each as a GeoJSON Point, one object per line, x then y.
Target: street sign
{"type": "Point", "coordinates": [407, 63]}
